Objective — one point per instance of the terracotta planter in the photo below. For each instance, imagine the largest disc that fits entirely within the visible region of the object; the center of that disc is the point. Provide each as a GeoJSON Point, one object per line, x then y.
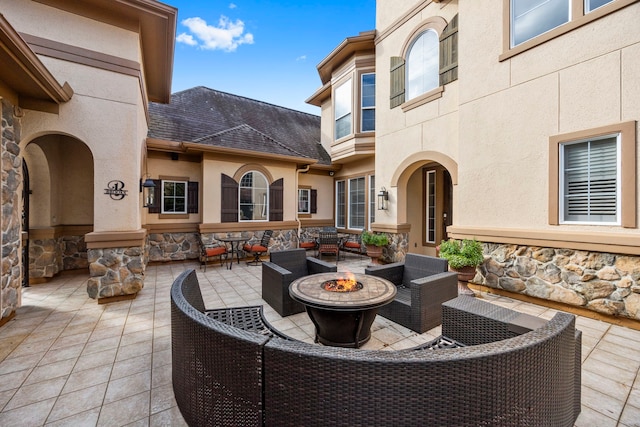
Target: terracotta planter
{"type": "Point", "coordinates": [464, 275]}
{"type": "Point", "coordinates": [374, 252]}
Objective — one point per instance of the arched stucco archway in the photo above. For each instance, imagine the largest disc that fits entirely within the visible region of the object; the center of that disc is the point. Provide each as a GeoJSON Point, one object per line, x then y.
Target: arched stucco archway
{"type": "Point", "coordinates": [61, 212]}
{"type": "Point", "coordinates": [430, 177]}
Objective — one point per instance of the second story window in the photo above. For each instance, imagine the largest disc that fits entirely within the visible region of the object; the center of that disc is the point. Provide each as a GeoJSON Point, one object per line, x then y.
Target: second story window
{"type": "Point", "coordinates": [590, 5]}
{"type": "Point", "coordinates": [423, 64]}
{"type": "Point", "coordinates": [368, 103]}
{"type": "Point", "coordinates": [342, 108]}
{"type": "Point", "coordinates": [530, 18]}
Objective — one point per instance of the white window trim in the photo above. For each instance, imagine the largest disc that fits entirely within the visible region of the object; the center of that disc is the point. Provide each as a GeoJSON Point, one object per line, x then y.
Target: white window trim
{"type": "Point", "coordinates": [337, 208]}
{"type": "Point", "coordinates": [362, 108]}
{"type": "Point", "coordinates": [308, 191]}
{"type": "Point", "coordinates": [348, 203]}
{"type": "Point", "coordinates": [348, 113]}
{"type": "Point", "coordinates": [373, 199]}
{"type": "Point", "coordinates": [186, 195]}
{"type": "Point", "coordinates": [265, 206]}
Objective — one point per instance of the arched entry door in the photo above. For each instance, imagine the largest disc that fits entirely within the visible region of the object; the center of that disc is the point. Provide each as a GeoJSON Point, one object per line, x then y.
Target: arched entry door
{"type": "Point", "coordinates": [437, 204]}
{"type": "Point", "coordinates": [26, 191]}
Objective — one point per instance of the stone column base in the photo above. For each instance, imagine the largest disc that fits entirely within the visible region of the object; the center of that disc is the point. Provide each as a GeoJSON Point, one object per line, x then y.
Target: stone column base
{"type": "Point", "coordinates": [115, 272]}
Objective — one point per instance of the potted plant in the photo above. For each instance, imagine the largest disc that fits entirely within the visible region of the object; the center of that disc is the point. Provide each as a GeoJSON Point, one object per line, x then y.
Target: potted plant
{"type": "Point", "coordinates": [374, 243]}
{"type": "Point", "coordinates": [463, 257]}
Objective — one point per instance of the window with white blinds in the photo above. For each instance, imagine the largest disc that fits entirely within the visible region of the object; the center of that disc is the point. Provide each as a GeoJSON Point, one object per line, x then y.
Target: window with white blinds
{"type": "Point", "coordinates": [590, 187]}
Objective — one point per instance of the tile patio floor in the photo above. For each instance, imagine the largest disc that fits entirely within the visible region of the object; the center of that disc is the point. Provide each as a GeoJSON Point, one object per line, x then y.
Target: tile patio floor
{"type": "Point", "coordinates": [67, 361]}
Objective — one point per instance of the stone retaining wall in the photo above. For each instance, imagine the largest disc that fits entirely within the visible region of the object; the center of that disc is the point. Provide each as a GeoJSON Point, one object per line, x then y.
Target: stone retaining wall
{"type": "Point", "coordinates": [603, 282]}
{"type": "Point", "coordinates": [48, 257]}
{"type": "Point", "coordinates": [10, 283]}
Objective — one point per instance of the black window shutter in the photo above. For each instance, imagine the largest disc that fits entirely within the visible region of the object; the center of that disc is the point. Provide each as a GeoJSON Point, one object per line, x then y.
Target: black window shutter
{"type": "Point", "coordinates": [229, 202]}
{"type": "Point", "coordinates": [449, 52]}
{"type": "Point", "coordinates": [276, 202]}
{"type": "Point", "coordinates": [157, 196]}
{"type": "Point", "coordinates": [192, 197]}
{"type": "Point", "coordinates": [314, 201]}
{"type": "Point", "coordinates": [397, 81]}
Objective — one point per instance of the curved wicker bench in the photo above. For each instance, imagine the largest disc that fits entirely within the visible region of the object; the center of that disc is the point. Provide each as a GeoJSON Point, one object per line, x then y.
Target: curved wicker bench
{"type": "Point", "coordinates": [223, 375]}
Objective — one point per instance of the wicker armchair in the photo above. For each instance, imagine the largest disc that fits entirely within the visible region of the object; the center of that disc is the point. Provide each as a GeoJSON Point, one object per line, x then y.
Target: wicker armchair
{"type": "Point", "coordinates": [423, 285]}
{"type": "Point", "coordinates": [285, 267]}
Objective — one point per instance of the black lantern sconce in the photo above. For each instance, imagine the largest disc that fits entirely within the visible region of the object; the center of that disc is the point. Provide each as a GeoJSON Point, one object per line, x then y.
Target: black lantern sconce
{"type": "Point", "coordinates": [383, 199]}
{"type": "Point", "coordinates": [148, 191]}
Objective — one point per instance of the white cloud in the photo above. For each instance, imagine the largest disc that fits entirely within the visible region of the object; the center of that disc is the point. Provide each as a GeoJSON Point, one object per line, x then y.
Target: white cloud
{"type": "Point", "coordinates": [232, 6]}
{"type": "Point", "coordinates": [301, 58]}
{"type": "Point", "coordinates": [227, 36]}
{"type": "Point", "coordinates": [186, 39]}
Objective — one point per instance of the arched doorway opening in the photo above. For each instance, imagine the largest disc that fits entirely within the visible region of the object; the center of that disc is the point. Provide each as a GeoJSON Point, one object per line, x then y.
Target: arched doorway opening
{"type": "Point", "coordinates": [425, 187]}
{"type": "Point", "coordinates": [59, 205]}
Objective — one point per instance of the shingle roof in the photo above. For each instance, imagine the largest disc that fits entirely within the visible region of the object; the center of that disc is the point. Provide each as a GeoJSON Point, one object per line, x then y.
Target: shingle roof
{"type": "Point", "coordinates": [211, 117]}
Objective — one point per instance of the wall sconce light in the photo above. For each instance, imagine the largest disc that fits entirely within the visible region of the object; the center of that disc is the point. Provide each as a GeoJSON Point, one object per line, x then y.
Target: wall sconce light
{"type": "Point", "coordinates": [148, 191]}
{"type": "Point", "coordinates": [331, 173]}
{"type": "Point", "coordinates": [383, 199]}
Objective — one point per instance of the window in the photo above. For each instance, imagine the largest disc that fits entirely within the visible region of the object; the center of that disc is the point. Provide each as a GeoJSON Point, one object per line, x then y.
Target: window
{"type": "Point", "coordinates": [341, 205]}
{"type": "Point", "coordinates": [589, 181]}
{"type": "Point", "coordinates": [368, 103]}
{"type": "Point", "coordinates": [372, 200]}
{"type": "Point", "coordinates": [423, 64]}
{"type": "Point", "coordinates": [592, 176]}
{"type": "Point", "coordinates": [174, 197]}
{"type": "Point", "coordinates": [304, 201]}
{"type": "Point", "coordinates": [254, 200]}
{"type": "Point", "coordinates": [343, 110]}
{"type": "Point", "coordinates": [590, 5]}
{"type": "Point", "coordinates": [356, 203]}
{"type": "Point", "coordinates": [530, 18]}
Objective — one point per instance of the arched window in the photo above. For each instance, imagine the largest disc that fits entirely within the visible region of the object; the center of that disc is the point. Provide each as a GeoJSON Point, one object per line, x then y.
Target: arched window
{"type": "Point", "coordinates": [423, 64]}
{"type": "Point", "coordinates": [254, 197]}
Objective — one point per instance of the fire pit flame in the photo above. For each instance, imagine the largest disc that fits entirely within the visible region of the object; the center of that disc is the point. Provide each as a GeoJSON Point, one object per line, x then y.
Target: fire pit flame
{"type": "Point", "coordinates": [344, 284]}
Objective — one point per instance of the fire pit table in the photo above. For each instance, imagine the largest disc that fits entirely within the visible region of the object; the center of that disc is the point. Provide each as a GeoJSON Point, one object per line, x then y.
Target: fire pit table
{"type": "Point", "coordinates": [342, 306]}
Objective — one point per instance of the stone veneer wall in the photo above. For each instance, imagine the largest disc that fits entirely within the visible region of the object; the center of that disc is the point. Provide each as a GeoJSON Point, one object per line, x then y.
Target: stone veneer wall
{"type": "Point", "coordinates": [47, 257]}
{"type": "Point", "coordinates": [603, 282]}
{"type": "Point", "coordinates": [115, 272]}
{"type": "Point", "coordinates": [10, 283]}
{"type": "Point", "coordinates": [172, 246]}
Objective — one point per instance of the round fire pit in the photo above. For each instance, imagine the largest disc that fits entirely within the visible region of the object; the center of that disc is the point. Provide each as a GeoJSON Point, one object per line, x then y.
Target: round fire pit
{"type": "Point", "coordinates": [342, 306]}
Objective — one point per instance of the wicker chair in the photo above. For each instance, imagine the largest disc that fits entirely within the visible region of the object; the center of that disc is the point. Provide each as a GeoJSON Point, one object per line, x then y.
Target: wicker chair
{"type": "Point", "coordinates": [423, 285]}
{"type": "Point", "coordinates": [354, 244]}
{"type": "Point", "coordinates": [283, 268]}
{"type": "Point", "coordinates": [257, 249]}
{"type": "Point", "coordinates": [328, 243]}
{"type": "Point", "coordinates": [208, 252]}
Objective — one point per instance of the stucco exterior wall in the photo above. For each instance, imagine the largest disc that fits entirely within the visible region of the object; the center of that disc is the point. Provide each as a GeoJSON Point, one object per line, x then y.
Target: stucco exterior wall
{"type": "Point", "coordinates": [510, 109]}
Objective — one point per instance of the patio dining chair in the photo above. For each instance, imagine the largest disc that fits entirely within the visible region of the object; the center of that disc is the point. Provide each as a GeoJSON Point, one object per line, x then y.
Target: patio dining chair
{"type": "Point", "coordinates": [328, 243]}
{"type": "Point", "coordinates": [258, 249]}
{"type": "Point", "coordinates": [208, 252]}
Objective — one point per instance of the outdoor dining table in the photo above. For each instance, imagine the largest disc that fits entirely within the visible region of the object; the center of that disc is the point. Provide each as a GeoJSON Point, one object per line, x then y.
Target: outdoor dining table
{"type": "Point", "coordinates": [235, 242]}
{"type": "Point", "coordinates": [342, 318]}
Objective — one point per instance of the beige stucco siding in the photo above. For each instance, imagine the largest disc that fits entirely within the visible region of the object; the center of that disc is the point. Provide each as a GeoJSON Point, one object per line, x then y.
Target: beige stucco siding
{"type": "Point", "coordinates": [48, 22]}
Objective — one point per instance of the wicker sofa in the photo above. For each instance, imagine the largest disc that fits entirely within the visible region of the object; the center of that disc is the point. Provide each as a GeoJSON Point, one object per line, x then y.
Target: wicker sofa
{"type": "Point", "coordinates": [510, 376]}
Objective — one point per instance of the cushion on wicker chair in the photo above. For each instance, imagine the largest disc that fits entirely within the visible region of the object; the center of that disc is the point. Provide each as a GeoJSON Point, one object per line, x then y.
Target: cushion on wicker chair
{"type": "Point", "coordinates": [254, 248]}
{"type": "Point", "coordinates": [308, 245]}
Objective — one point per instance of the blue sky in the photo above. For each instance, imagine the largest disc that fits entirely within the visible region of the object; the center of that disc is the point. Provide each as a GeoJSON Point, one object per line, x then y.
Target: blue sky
{"type": "Point", "coordinates": [265, 50]}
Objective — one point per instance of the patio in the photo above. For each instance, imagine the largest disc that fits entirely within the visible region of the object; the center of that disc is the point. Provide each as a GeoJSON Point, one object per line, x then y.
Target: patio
{"type": "Point", "coordinates": [65, 360]}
